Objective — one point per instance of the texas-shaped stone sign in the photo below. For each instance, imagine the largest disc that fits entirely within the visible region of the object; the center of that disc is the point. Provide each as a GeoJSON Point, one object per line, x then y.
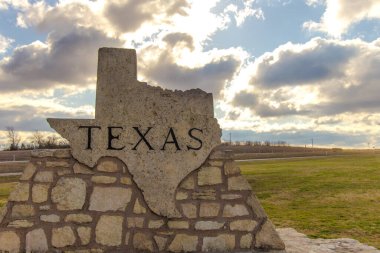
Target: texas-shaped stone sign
{"type": "Point", "coordinates": [161, 135]}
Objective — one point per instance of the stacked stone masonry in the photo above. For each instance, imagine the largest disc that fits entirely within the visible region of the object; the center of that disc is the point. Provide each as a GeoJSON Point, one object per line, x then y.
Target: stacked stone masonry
{"type": "Point", "coordinates": [60, 205]}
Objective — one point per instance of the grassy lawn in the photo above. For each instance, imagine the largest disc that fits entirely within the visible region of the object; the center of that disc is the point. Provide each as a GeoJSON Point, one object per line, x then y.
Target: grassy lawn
{"type": "Point", "coordinates": [7, 184]}
{"type": "Point", "coordinates": [324, 197]}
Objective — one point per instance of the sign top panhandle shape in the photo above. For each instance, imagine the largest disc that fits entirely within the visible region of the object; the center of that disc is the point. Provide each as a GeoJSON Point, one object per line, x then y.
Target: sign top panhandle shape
{"type": "Point", "coordinates": [161, 135]}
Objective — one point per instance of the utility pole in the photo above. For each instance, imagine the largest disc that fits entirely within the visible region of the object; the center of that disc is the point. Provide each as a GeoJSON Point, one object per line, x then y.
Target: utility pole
{"type": "Point", "coordinates": [230, 139]}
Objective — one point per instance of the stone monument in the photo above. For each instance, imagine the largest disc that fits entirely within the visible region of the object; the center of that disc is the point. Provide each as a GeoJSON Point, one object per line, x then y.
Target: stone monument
{"type": "Point", "coordinates": [143, 176]}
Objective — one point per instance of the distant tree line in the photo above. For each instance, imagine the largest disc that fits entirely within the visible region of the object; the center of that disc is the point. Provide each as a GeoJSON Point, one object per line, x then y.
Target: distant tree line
{"type": "Point", "coordinates": [38, 140]}
{"type": "Point", "coordinates": [259, 143]}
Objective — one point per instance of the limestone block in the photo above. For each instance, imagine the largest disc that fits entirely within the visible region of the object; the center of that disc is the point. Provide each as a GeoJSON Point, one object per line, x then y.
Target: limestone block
{"type": "Point", "coordinates": [44, 177]}
{"type": "Point", "coordinates": [78, 218]}
{"type": "Point", "coordinates": [188, 183]}
{"type": "Point", "coordinates": [216, 163]}
{"type": "Point", "coordinates": [108, 231]}
{"type": "Point", "coordinates": [184, 243]}
{"type": "Point", "coordinates": [135, 222]}
{"type": "Point", "coordinates": [22, 211]}
{"type": "Point", "coordinates": [220, 243]}
{"type": "Point", "coordinates": [181, 195]}
{"type": "Point", "coordinates": [231, 168]}
{"type": "Point", "coordinates": [62, 153]}
{"type": "Point", "coordinates": [36, 241]}
{"type": "Point", "coordinates": [110, 198]}
{"type": "Point", "coordinates": [20, 224]}
{"type": "Point", "coordinates": [238, 183]}
{"type": "Point", "coordinates": [209, 176]}
{"type": "Point", "coordinates": [84, 234]}
{"type": "Point", "coordinates": [208, 225]}
{"type": "Point", "coordinates": [257, 209]}
{"type": "Point", "coordinates": [235, 210]}
{"type": "Point", "coordinates": [267, 237]}
{"type": "Point", "coordinates": [62, 172]}
{"type": "Point", "coordinates": [62, 237]}
{"type": "Point", "coordinates": [231, 196]}
{"type": "Point", "coordinates": [243, 225]}
{"type": "Point", "coordinates": [103, 179]}
{"type": "Point", "coordinates": [29, 171]}
{"type": "Point", "coordinates": [143, 242]}
{"type": "Point", "coordinates": [107, 166]}
{"type": "Point", "coordinates": [20, 193]}
{"type": "Point", "coordinates": [9, 242]}
{"type": "Point", "coordinates": [189, 210]}
{"type": "Point", "coordinates": [40, 193]}
{"type": "Point", "coordinates": [127, 236]}
{"type": "Point", "coordinates": [204, 195]}
{"type": "Point", "coordinates": [138, 208]}
{"type": "Point", "coordinates": [126, 180]}
{"type": "Point", "coordinates": [156, 223]}
{"type": "Point", "coordinates": [42, 153]}
{"type": "Point", "coordinates": [45, 207]}
{"type": "Point", "coordinates": [50, 218]}
{"type": "Point", "coordinates": [161, 242]}
{"type": "Point", "coordinates": [209, 209]}
{"type": "Point", "coordinates": [82, 169]}
{"type": "Point", "coordinates": [246, 241]}
{"type": "Point", "coordinates": [56, 164]}
{"type": "Point", "coordinates": [178, 224]}
{"type": "Point", "coordinates": [69, 193]}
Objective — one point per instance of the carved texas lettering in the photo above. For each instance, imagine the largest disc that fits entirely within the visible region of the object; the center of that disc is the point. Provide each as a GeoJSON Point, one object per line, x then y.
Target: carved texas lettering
{"type": "Point", "coordinates": [114, 134]}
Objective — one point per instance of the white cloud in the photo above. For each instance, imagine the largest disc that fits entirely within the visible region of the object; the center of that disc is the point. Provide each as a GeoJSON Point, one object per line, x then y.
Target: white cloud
{"type": "Point", "coordinates": [4, 43]}
{"type": "Point", "coordinates": [242, 14]}
{"type": "Point", "coordinates": [341, 14]}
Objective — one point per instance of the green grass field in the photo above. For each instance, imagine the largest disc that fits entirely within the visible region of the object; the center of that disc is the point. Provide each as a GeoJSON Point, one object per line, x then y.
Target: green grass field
{"type": "Point", "coordinates": [329, 197]}
{"type": "Point", "coordinates": [7, 184]}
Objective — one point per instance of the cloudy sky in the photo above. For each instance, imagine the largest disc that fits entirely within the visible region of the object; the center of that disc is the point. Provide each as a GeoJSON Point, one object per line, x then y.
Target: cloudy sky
{"type": "Point", "coordinates": [286, 70]}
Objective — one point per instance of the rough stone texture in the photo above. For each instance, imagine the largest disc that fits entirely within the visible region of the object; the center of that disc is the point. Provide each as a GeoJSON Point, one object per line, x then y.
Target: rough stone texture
{"type": "Point", "coordinates": [155, 223]}
{"type": "Point", "coordinates": [119, 100]}
{"type": "Point", "coordinates": [238, 183]}
{"type": "Point", "coordinates": [220, 243]}
{"type": "Point", "coordinates": [20, 193]}
{"type": "Point", "coordinates": [135, 222]}
{"type": "Point", "coordinates": [209, 209]}
{"type": "Point", "coordinates": [138, 208]}
{"type": "Point", "coordinates": [246, 241]}
{"type": "Point", "coordinates": [22, 211]}
{"type": "Point", "coordinates": [78, 218]}
{"type": "Point", "coordinates": [109, 198]}
{"type": "Point", "coordinates": [189, 210]}
{"type": "Point", "coordinates": [28, 172]}
{"type": "Point", "coordinates": [210, 176]}
{"type": "Point", "coordinates": [107, 166]}
{"type": "Point", "coordinates": [184, 243]}
{"type": "Point", "coordinates": [62, 164]}
{"type": "Point", "coordinates": [231, 168]}
{"type": "Point", "coordinates": [142, 241]}
{"type": "Point", "coordinates": [178, 224]}
{"type": "Point", "coordinates": [20, 224]}
{"type": "Point", "coordinates": [109, 230]}
{"type": "Point", "coordinates": [243, 225]}
{"type": "Point", "coordinates": [299, 243]}
{"type": "Point", "coordinates": [50, 218]}
{"type": "Point", "coordinates": [36, 241]}
{"type": "Point", "coordinates": [40, 193]}
{"type": "Point", "coordinates": [44, 177]}
{"type": "Point", "coordinates": [9, 241]}
{"type": "Point", "coordinates": [235, 210]}
{"type": "Point", "coordinates": [84, 234]}
{"type": "Point", "coordinates": [161, 242]}
{"type": "Point", "coordinates": [103, 179]}
{"type": "Point", "coordinates": [268, 238]}
{"type": "Point", "coordinates": [63, 236]}
{"type": "Point", "coordinates": [82, 169]}
{"type": "Point", "coordinates": [69, 193]}
{"type": "Point", "coordinates": [208, 225]}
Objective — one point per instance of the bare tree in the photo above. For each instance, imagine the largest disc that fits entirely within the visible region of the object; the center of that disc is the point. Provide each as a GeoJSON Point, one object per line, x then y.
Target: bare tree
{"type": "Point", "coordinates": [13, 138]}
{"type": "Point", "coordinates": [37, 139]}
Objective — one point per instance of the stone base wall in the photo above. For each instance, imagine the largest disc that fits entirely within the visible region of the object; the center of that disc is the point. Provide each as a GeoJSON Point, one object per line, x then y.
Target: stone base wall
{"type": "Point", "coordinates": [61, 205]}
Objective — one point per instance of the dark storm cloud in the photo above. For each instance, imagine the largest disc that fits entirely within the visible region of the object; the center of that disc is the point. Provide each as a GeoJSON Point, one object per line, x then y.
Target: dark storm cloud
{"type": "Point", "coordinates": [210, 77]}
{"type": "Point", "coordinates": [323, 61]}
{"type": "Point", "coordinates": [245, 99]}
{"type": "Point", "coordinates": [68, 59]}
